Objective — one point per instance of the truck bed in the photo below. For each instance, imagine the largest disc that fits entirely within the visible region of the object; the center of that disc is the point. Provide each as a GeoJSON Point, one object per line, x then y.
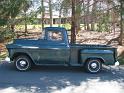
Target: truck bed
{"type": "Point", "coordinates": [77, 48]}
{"type": "Point", "coordinates": [89, 46]}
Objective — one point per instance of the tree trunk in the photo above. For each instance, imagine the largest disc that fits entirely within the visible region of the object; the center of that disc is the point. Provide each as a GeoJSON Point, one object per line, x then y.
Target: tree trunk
{"type": "Point", "coordinates": [13, 27]}
{"type": "Point", "coordinates": [73, 36]}
{"type": "Point", "coordinates": [84, 14]}
{"type": "Point", "coordinates": [43, 11]}
{"type": "Point", "coordinates": [93, 16]}
{"type": "Point", "coordinates": [108, 13]}
{"type": "Point", "coordinates": [26, 31]}
{"type": "Point", "coordinates": [87, 15]}
{"type": "Point", "coordinates": [78, 15]}
{"type": "Point", "coordinates": [59, 24]}
{"type": "Point", "coordinates": [50, 11]}
{"type": "Point", "coordinates": [121, 23]}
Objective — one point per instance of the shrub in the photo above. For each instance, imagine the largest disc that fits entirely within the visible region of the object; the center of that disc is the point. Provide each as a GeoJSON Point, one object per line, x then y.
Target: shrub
{"type": "Point", "coordinates": [6, 35]}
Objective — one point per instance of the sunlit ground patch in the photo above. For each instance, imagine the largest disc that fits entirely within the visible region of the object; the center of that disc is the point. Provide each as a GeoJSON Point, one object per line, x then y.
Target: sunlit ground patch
{"type": "Point", "coordinates": [93, 86]}
{"type": "Point", "coordinates": [89, 86]}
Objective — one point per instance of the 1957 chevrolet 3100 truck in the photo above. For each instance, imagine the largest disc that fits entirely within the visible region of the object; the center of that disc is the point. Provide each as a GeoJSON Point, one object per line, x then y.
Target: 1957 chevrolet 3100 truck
{"type": "Point", "coordinates": [53, 48]}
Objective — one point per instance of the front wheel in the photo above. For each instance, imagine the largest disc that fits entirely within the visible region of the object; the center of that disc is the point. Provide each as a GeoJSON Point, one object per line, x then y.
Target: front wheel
{"type": "Point", "coordinates": [93, 66]}
{"type": "Point", "coordinates": [22, 63]}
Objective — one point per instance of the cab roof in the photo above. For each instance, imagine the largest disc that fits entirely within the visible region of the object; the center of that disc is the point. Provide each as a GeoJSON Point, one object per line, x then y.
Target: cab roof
{"type": "Point", "coordinates": [54, 29]}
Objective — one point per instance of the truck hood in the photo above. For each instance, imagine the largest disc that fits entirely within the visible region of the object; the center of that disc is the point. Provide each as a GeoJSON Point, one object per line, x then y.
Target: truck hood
{"type": "Point", "coordinates": [31, 43]}
{"type": "Point", "coordinates": [21, 43]}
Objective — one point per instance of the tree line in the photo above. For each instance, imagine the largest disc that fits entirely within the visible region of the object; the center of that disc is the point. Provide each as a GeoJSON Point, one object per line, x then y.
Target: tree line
{"type": "Point", "coordinates": [94, 15]}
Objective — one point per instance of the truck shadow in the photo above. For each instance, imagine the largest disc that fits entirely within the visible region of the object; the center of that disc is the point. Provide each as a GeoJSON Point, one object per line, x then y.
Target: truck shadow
{"type": "Point", "coordinates": [44, 79]}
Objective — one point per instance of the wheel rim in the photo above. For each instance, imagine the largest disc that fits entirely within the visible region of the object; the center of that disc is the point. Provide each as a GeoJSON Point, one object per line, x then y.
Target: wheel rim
{"type": "Point", "coordinates": [94, 66]}
{"type": "Point", "coordinates": [22, 64]}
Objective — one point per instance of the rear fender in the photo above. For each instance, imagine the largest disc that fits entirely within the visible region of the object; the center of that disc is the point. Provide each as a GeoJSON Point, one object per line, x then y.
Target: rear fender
{"type": "Point", "coordinates": [106, 56]}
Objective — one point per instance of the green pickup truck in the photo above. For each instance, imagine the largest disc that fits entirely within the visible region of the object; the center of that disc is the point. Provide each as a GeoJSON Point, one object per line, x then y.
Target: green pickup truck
{"type": "Point", "coordinates": [53, 48]}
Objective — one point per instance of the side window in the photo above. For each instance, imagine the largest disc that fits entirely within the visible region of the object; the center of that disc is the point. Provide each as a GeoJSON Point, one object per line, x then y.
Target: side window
{"type": "Point", "coordinates": [55, 36]}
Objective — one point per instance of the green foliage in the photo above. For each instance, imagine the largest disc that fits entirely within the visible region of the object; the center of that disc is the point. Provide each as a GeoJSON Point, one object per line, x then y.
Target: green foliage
{"type": "Point", "coordinates": [103, 25]}
{"type": "Point", "coordinates": [6, 35]}
{"type": "Point", "coordinates": [3, 22]}
{"type": "Point", "coordinates": [67, 26]}
{"type": "Point", "coordinates": [9, 9]}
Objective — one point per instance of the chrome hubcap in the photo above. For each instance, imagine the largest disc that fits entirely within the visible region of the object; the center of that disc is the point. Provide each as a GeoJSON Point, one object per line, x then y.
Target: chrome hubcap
{"type": "Point", "coordinates": [22, 63]}
{"type": "Point", "coordinates": [93, 65]}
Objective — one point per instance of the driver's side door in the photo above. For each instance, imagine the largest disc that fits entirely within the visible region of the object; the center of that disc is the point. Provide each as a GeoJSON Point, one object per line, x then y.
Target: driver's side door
{"type": "Point", "coordinates": [55, 51]}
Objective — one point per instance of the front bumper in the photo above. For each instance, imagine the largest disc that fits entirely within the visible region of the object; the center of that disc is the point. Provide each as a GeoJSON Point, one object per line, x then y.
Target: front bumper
{"type": "Point", "coordinates": [7, 59]}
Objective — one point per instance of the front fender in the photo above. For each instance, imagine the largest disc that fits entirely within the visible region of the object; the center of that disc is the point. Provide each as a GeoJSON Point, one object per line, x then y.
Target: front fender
{"type": "Point", "coordinates": [13, 53]}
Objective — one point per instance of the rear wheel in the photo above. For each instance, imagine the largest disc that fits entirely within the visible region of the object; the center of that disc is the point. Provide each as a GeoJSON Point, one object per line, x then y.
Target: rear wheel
{"type": "Point", "coordinates": [93, 66]}
{"type": "Point", "coordinates": [22, 63]}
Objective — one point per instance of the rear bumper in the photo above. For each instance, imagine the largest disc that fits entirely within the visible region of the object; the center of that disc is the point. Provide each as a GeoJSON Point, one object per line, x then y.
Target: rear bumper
{"type": "Point", "coordinates": [117, 63]}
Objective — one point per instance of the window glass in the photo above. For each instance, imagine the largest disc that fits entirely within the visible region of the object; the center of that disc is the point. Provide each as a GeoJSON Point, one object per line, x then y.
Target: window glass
{"type": "Point", "coordinates": [54, 36]}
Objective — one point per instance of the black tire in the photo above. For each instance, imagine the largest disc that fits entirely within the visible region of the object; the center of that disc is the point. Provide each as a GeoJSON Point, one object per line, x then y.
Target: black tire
{"type": "Point", "coordinates": [93, 66]}
{"type": "Point", "coordinates": [22, 63]}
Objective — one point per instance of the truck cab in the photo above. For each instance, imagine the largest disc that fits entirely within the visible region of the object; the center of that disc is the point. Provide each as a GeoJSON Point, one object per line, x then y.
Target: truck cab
{"type": "Point", "coordinates": [53, 48]}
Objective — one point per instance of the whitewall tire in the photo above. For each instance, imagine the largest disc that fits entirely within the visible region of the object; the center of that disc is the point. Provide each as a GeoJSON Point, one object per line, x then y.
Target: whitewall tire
{"type": "Point", "coordinates": [93, 66]}
{"type": "Point", "coordinates": [22, 63]}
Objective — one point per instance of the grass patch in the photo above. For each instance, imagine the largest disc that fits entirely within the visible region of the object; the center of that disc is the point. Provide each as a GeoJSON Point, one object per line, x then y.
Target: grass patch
{"type": "Point", "coordinates": [39, 26]}
{"type": "Point", "coordinates": [20, 27]}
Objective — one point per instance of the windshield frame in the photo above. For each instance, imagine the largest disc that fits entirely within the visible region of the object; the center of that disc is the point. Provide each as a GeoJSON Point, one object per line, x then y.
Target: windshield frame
{"type": "Point", "coordinates": [43, 34]}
